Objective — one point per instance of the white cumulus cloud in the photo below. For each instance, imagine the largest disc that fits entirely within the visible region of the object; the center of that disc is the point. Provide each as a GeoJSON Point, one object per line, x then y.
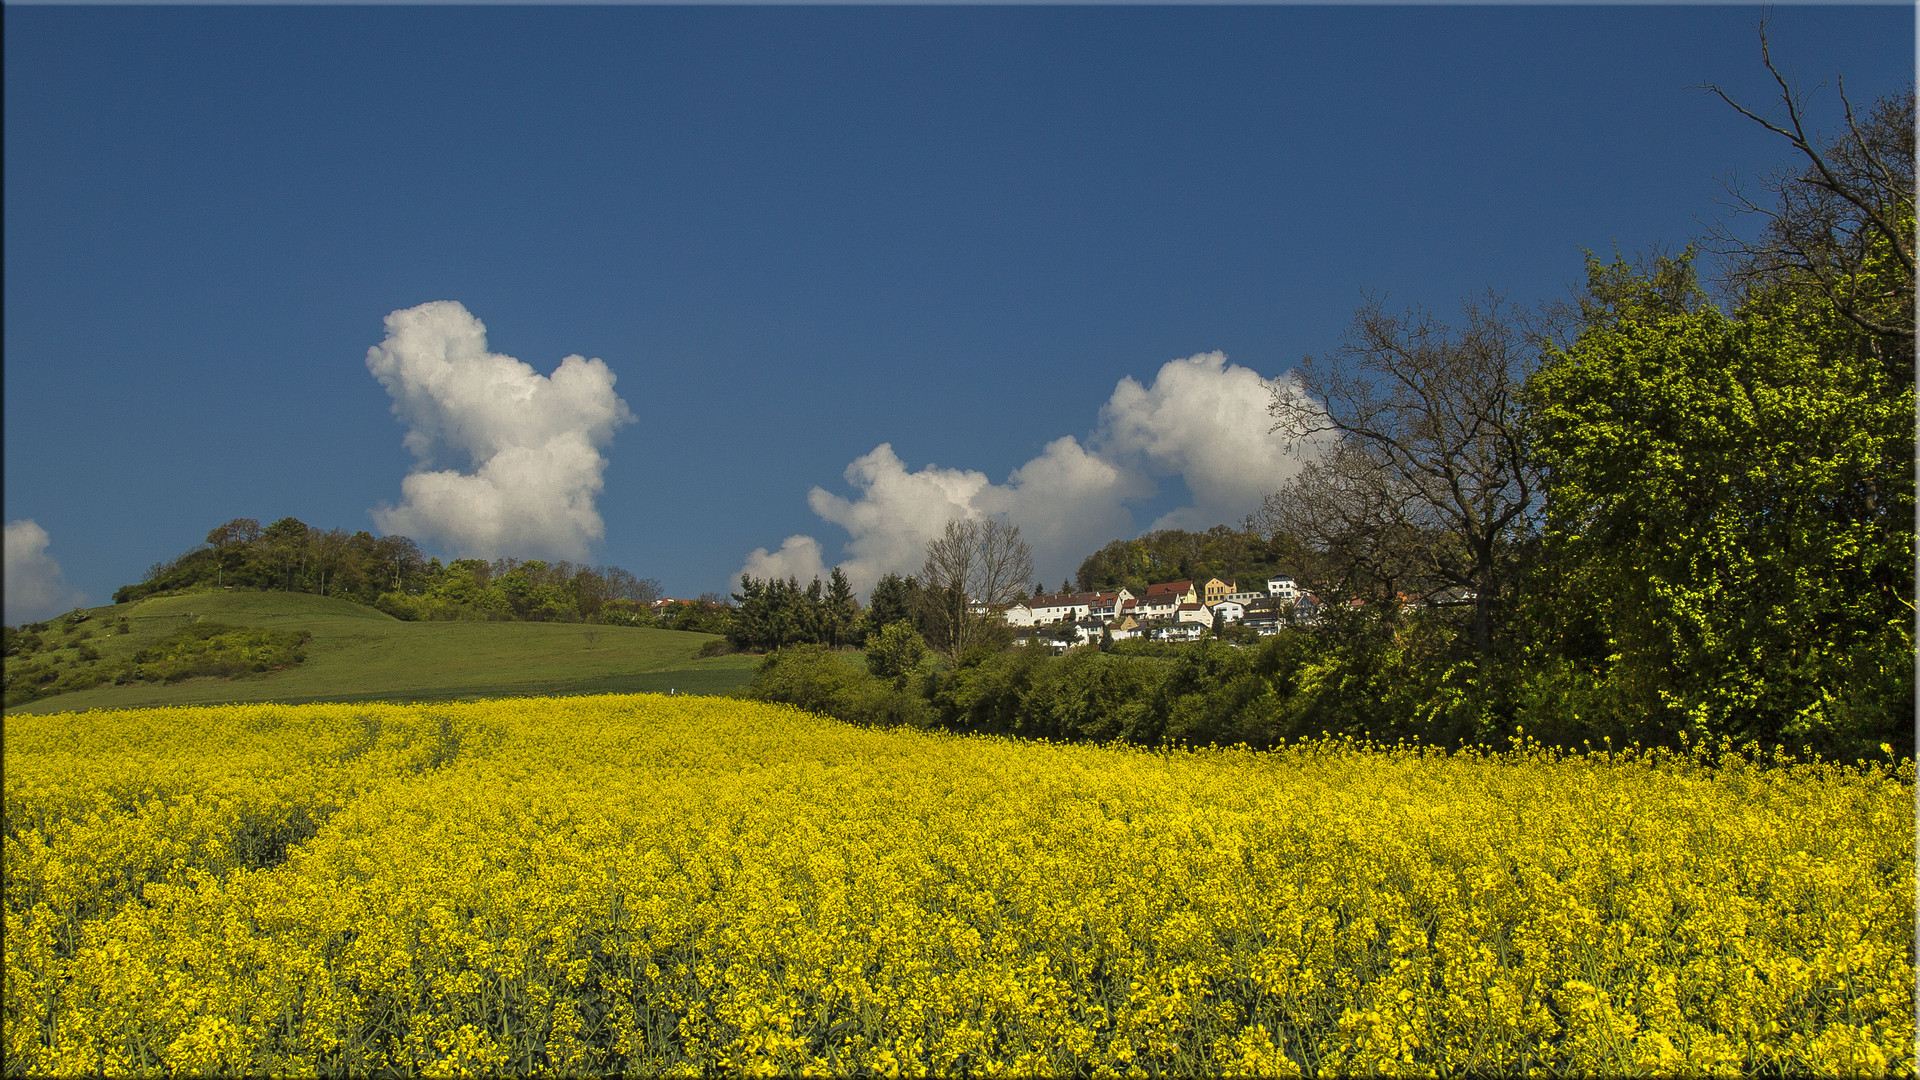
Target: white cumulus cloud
{"type": "Point", "coordinates": [798, 558]}
{"type": "Point", "coordinates": [1061, 500]}
{"type": "Point", "coordinates": [524, 448]}
{"type": "Point", "coordinates": [1202, 420]}
{"type": "Point", "coordinates": [1205, 421]}
{"type": "Point", "coordinates": [35, 588]}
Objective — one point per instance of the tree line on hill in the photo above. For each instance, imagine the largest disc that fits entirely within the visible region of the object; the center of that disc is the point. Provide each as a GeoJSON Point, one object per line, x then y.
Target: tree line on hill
{"type": "Point", "coordinates": [1669, 518]}
{"type": "Point", "coordinates": [1249, 555]}
{"type": "Point", "coordinates": [392, 573]}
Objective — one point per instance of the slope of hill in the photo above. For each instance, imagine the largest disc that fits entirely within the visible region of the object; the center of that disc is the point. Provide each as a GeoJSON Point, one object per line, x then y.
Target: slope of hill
{"type": "Point", "coordinates": [360, 654]}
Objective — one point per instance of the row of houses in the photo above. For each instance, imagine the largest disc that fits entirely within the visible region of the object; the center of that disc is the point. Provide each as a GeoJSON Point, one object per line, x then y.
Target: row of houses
{"type": "Point", "coordinates": [1167, 611]}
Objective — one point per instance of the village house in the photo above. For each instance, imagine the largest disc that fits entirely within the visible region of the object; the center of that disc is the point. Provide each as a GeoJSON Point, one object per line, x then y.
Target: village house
{"type": "Point", "coordinates": [1163, 600]}
{"type": "Point", "coordinates": [1231, 610]}
{"type": "Point", "coordinates": [1017, 614]}
{"type": "Point", "coordinates": [1265, 616]}
{"type": "Point", "coordinates": [1179, 631]}
{"type": "Point", "coordinates": [659, 607]}
{"type": "Point", "coordinates": [1173, 592]}
{"type": "Point", "coordinates": [1169, 611]}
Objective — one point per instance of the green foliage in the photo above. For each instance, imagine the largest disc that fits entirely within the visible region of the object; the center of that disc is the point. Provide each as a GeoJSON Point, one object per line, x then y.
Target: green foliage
{"type": "Point", "coordinates": [894, 599]}
{"type": "Point", "coordinates": [1358, 675]}
{"type": "Point", "coordinates": [897, 653]}
{"type": "Point", "coordinates": [823, 681]}
{"type": "Point", "coordinates": [698, 617]}
{"type": "Point", "coordinates": [768, 614]}
{"type": "Point", "coordinates": [1178, 555]}
{"type": "Point", "coordinates": [204, 648]}
{"type": "Point", "coordinates": [391, 573]}
{"type": "Point", "coordinates": [987, 693]}
{"type": "Point", "coordinates": [773, 614]}
{"type": "Point", "coordinates": [840, 612]}
{"type": "Point", "coordinates": [1731, 503]}
{"type": "Point", "coordinates": [209, 648]}
{"type": "Point", "coordinates": [1089, 695]}
{"type": "Point", "coordinates": [20, 642]}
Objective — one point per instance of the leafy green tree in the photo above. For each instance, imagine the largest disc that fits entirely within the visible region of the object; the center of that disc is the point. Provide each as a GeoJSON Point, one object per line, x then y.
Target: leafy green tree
{"type": "Point", "coordinates": [332, 561]}
{"type": "Point", "coordinates": [812, 677]}
{"type": "Point", "coordinates": [1730, 498]}
{"type": "Point", "coordinates": [1087, 694]}
{"type": "Point", "coordinates": [398, 562]}
{"type": "Point", "coordinates": [1242, 554]}
{"type": "Point", "coordinates": [896, 653]}
{"type": "Point", "coordinates": [285, 551]}
{"type": "Point", "coordinates": [589, 590]}
{"type": "Point", "coordinates": [988, 692]}
{"type": "Point", "coordinates": [232, 545]}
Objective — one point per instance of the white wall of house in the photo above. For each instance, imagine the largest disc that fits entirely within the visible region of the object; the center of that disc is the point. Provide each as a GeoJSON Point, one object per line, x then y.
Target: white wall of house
{"type": "Point", "coordinates": [1233, 610]}
{"type": "Point", "coordinates": [1194, 613]}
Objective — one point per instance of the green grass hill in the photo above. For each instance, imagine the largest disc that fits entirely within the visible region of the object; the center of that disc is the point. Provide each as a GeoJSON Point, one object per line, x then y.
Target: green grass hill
{"type": "Point", "coordinates": [359, 654]}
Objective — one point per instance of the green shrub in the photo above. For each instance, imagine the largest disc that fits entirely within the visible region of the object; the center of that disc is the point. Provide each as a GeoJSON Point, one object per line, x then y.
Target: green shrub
{"type": "Point", "coordinates": [216, 649]}
{"type": "Point", "coordinates": [820, 680]}
{"type": "Point", "coordinates": [30, 679]}
{"type": "Point", "coordinates": [403, 607]}
{"type": "Point", "coordinates": [22, 642]}
{"type": "Point", "coordinates": [896, 653]}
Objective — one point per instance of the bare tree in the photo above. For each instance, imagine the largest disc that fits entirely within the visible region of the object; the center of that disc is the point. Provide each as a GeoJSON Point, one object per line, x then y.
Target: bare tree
{"type": "Point", "coordinates": [1843, 223]}
{"type": "Point", "coordinates": [970, 568]}
{"type": "Point", "coordinates": [623, 585]}
{"type": "Point", "coordinates": [1429, 485]}
{"type": "Point", "coordinates": [1354, 513]}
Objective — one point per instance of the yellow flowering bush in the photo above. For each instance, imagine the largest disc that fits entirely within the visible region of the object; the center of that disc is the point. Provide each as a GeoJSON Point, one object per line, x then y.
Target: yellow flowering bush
{"type": "Point", "coordinates": [691, 886]}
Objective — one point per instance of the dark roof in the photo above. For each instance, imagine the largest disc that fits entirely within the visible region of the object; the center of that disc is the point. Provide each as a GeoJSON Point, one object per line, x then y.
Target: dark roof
{"type": "Point", "coordinates": [1090, 599]}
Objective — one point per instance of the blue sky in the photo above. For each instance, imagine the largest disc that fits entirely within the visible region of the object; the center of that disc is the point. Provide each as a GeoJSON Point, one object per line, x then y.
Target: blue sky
{"type": "Point", "coordinates": [792, 235]}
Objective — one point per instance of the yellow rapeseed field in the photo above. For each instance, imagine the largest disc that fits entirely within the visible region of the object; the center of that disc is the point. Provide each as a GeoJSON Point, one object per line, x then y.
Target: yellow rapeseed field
{"type": "Point", "coordinates": [646, 884]}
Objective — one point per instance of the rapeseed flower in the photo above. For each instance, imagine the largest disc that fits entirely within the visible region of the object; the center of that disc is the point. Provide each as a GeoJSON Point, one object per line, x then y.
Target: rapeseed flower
{"type": "Point", "coordinates": [683, 886]}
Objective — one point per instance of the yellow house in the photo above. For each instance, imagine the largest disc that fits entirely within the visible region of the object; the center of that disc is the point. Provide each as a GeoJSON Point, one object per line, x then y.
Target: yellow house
{"type": "Point", "coordinates": [1216, 590]}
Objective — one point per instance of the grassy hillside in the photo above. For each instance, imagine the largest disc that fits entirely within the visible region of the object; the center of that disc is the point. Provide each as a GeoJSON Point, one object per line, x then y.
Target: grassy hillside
{"type": "Point", "coordinates": [359, 654]}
